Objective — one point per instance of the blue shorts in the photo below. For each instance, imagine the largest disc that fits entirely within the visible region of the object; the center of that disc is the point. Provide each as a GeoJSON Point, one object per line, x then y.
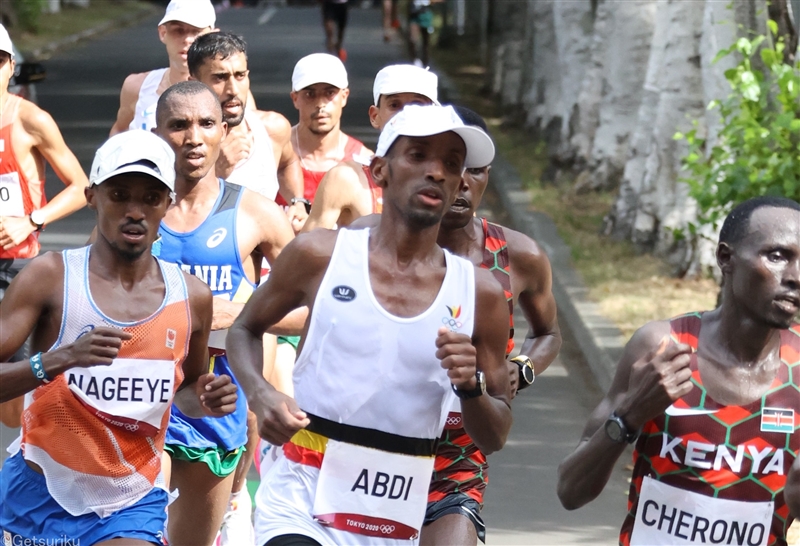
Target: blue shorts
{"type": "Point", "coordinates": [28, 511]}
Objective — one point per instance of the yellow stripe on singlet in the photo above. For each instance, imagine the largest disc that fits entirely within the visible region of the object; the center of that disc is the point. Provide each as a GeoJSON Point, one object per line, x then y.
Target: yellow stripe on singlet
{"type": "Point", "coordinates": [310, 440]}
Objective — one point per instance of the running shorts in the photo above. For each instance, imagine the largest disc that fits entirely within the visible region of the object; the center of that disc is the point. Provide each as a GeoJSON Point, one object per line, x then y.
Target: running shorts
{"type": "Point", "coordinates": [27, 511]}
{"type": "Point", "coordinates": [335, 12]}
{"type": "Point", "coordinates": [423, 17]}
{"type": "Point", "coordinates": [292, 540]}
{"type": "Point", "coordinates": [221, 463]}
{"type": "Point", "coordinates": [457, 503]}
{"type": "Point", "coordinates": [294, 341]}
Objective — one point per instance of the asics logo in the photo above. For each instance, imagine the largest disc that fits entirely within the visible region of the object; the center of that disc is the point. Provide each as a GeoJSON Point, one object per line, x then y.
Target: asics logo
{"type": "Point", "coordinates": [217, 237]}
{"type": "Point", "coordinates": [386, 529]}
{"type": "Point", "coordinates": [344, 293]}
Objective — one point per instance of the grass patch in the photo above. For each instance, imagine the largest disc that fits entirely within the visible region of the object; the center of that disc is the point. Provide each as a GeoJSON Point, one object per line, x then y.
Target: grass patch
{"type": "Point", "coordinates": [630, 288]}
{"type": "Point", "coordinates": [72, 20]}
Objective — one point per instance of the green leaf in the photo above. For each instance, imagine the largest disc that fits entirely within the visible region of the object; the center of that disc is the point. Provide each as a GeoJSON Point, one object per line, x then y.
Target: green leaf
{"type": "Point", "coordinates": [773, 26]}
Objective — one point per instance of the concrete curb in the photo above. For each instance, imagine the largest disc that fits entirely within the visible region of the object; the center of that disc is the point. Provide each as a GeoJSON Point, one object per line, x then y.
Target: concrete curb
{"type": "Point", "coordinates": [598, 339]}
{"type": "Point", "coordinates": [127, 20]}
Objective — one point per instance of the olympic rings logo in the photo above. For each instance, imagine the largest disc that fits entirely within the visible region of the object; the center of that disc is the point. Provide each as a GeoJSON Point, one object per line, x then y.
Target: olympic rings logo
{"type": "Point", "coordinates": [131, 427]}
{"type": "Point", "coordinates": [452, 421]}
{"type": "Point", "coordinates": [386, 529]}
{"type": "Point", "coordinates": [451, 322]}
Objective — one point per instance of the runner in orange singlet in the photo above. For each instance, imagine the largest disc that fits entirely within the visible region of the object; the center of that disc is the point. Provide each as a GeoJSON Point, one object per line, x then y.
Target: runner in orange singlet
{"type": "Point", "coordinates": [121, 336]}
{"type": "Point", "coordinates": [710, 401]}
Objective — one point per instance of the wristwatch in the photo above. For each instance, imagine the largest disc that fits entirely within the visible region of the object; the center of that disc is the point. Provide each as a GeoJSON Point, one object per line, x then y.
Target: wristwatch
{"type": "Point", "coordinates": [36, 218]}
{"type": "Point", "coordinates": [479, 389]}
{"type": "Point", "coordinates": [294, 200]}
{"type": "Point", "coordinates": [617, 431]}
{"type": "Point", "coordinates": [526, 375]}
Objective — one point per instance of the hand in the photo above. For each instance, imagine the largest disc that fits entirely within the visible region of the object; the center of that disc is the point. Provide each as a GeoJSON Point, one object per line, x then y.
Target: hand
{"type": "Point", "coordinates": [217, 394]}
{"type": "Point", "coordinates": [458, 357]}
{"type": "Point", "coordinates": [224, 313]}
{"type": "Point", "coordinates": [297, 216]}
{"type": "Point", "coordinates": [98, 347]}
{"type": "Point", "coordinates": [279, 418]}
{"type": "Point", "coordinates": [14, 230]}
{"type": "Point", "coordinates": [513, 376]}
{"type": "Point", "coordinates": [656, 381]}
{"type": "Point", "coordinates": [235, 148]}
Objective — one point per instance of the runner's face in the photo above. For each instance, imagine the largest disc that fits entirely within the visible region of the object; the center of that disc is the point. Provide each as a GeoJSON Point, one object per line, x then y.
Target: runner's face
{"type": "Point", "coordinates": [178, 37]}
{"type": "Point", "coordinates": [6, 69]}
{"type": "Point", "coordinates": [230, 80]}
{"type": "Point", "coordinates": [764, 267]}
{"type": "Point", "coordinates": [129, 208]}
{"type": "Point", "coordinates": [390, 105]}
{"type": "Point", "coordinates": [468, 198]}
{"type": "Point", "coordinates": [193, 127]}
{"type": "Point", "coordinates": [422, 175]}
{"type": "Point", "coordinates": [320, 106]}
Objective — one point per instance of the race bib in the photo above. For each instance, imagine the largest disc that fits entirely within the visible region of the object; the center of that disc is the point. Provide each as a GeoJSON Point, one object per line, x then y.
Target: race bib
{"type": "Point", "coordinates": [11, 196]}
{"type": "Point", "coordinates": [371, 492]}
{"type": "Point", "coordinates": [669, 515]}
{"type": "Point", "coordinates": [130, 394]}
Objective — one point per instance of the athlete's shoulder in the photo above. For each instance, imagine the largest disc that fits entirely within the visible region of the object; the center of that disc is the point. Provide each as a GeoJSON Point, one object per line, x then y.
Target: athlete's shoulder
{"type": "Point", "coordinates": [646, 338]}
{"type": "Point", "coordinates": [355, 147]}
{"type": "Point", "coordinates": [43, 275]}
{"type": "Point", "coordinates": [133, 82]}
{"type": "Point", "coordinates": [34, 119]}
{"type": "Point", "coordinates": [525, 254]}
{"type": "Point", "coordinates": [347, 173]}
{"type": "Point", "coordinates": [316, 244]}
{"type": "Point", "coordinates": [254, 204]}
{"type": "Point", "coordinates": [277, 126]}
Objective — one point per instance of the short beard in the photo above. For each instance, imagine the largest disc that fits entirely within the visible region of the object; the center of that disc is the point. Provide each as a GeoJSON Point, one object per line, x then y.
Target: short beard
{"type": "Point", "coordinates": [128, 255]}
{"type": "Point", "coordinates": [318, 132]}
{"type": "Point", "coordinates": [234, 121]}
{"type": "Point", "coordinates": [422, 219]}
{"type": "Point", "coordinates": [452, 224]}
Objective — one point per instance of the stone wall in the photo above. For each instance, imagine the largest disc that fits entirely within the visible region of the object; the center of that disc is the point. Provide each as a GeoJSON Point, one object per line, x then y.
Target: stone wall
{"type": "Point", "coordinates": [606, 84]}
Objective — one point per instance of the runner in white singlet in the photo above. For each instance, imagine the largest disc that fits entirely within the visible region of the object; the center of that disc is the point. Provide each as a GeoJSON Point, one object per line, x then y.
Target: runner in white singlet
{"type": "Point", "coordinates": [386, 348]}
{"type": "Point", "coordinates": [257, 153]}
{"type": "Point", "coordinates": [183, 21]}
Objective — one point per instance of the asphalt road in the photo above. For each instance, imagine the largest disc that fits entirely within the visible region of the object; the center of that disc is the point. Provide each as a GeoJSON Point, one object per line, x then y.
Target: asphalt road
{"type": "Point", "coordinates": [82, 94]}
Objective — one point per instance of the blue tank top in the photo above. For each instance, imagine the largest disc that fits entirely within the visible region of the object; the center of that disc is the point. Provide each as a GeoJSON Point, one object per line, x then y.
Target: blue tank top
{"type": "Point", "coordinates": [211, 253]}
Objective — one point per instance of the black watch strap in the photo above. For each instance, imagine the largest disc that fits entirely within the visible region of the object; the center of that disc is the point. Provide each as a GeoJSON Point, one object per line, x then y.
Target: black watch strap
{"type": "Point", "coordinates": [480, 388]}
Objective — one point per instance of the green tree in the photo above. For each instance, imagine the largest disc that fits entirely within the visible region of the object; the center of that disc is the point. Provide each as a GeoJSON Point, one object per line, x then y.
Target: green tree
{"type": "Point", "coordinates": [757, 151]}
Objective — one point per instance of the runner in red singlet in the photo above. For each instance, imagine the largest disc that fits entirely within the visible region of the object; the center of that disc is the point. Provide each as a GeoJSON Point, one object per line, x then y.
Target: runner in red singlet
{"type": "Point", "coordinates": [713, 400]}
{"type": "Point", "coordinates": [29, 139]}
{"type": "Point", "coordinates": [319, 92]}
{"type": "Point", "coordinates": [348, 191]}
{"type": "Point", "coordinates": [523, 270]}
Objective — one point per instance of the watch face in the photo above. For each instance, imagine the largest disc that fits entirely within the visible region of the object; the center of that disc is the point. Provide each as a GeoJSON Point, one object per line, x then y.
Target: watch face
{"type": "Point", "coordinates": [36, 217]}
{"type": "Point", "coordinates": [614, 430]}
{"type": "Point", "coordinates": [527, 374]}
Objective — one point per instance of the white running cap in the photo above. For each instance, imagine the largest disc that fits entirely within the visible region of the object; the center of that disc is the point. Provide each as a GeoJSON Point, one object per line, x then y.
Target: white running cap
{"type": "Point", "coordinates": [319, 68]}
{"type": "Point", "coordinates": [5, 42]}
{"type": "Point", "coordinates": [198, 13]}
{"type": "Point", "coordinates": [419, 121]}
{"type": "Point", "coordinates": [406, 78]}
{"type": "Point", "coordinates": [135, 151]}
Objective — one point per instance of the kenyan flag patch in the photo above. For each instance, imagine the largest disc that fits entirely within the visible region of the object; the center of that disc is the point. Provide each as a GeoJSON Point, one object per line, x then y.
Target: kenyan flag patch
{"type": "Point", "coordinates": [777, 420]}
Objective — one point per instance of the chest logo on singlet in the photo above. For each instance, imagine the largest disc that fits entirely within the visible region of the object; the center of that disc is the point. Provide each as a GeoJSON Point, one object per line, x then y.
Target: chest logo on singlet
{"type": "Point", "coordinates": [217, 237]}
{"type": "Point", "coordinates": [85, 330]}
{"type": "Point", "coordinates": [777, 420]}
{"type": "Point", "coordinates": [452, 321]}
{"type": "Point", "coordinates": [344, 293]}
{"type": "Point", "coordinates": [172, 335]}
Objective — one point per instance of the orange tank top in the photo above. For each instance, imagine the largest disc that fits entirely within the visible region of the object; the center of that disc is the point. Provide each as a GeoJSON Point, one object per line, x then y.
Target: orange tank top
{"type": "Point", "coordinates": [98, 432]}
{"type": "Point", "coordinates": [18, 195]}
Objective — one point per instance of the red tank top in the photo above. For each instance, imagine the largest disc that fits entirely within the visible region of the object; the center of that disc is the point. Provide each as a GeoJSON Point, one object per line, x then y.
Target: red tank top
{"type": "Point", "coordinates": [18, 195]}
{"type": "Point", "coordinates": [374, 190]}
{"type": "Point", "coordinates": [460, 467]}
{"type": "Point", "coordinates": [311, 179]}
{"type": "Point", "coordinates": [701, 454]}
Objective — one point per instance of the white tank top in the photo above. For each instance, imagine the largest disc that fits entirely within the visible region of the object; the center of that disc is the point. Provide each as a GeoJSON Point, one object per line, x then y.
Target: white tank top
{"type": "Point", "coordinates": [361, 365]}
{"type": "Point", "coordinates": [258, 172]}
{"type": "Point", "coordinates": [144, 116]}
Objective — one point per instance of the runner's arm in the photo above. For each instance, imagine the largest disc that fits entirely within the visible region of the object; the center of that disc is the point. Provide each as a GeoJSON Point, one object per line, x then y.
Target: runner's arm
{"type": "Point", "coordinates": [292, 284]}
{"type": "Point", "coordinates": [49, 142]}
{"type": "Point", "coordinates": [26, 305]}
{"type": "Point", "coordinates": [487, 418]}
{"type": "Point", "coordinates": [337, 192]}
{"type": "Point", "coordinates": [530, 265]}
{"type": "Point", "coordinates": [643, 386]}
{"type": "Point", "coordinates": [290, 172]}
{"type": "Point", "coordinates": [218, 392]}
{"type": "Point", "coordinates": [127, 103]}
{"type": "Point", "coordinates": [791, 491]}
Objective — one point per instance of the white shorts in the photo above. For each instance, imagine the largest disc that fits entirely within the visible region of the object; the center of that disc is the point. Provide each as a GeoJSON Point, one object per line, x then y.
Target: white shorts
{"type": "Point", "coordinates": [284, 502]}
